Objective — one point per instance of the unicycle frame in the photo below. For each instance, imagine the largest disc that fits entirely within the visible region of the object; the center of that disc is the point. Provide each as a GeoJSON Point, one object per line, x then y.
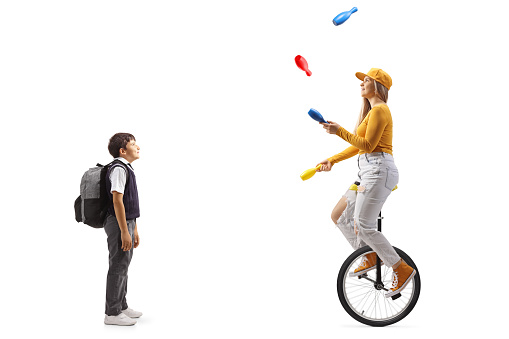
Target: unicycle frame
{"type": "Point", "coordinates": [378, 281]}
{"type": "Point", "coordinates": [378, 262]}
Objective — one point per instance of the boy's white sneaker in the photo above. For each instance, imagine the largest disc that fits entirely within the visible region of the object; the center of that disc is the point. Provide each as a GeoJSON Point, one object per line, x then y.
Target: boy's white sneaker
{"type": "Point", "coordinates": [132, 313]}
{"type": "Point", "coordinates": [121, 320]}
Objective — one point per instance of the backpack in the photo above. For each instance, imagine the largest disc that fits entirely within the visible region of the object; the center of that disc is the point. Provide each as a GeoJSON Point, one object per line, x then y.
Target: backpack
{"type": "Point", "coordinates": [93, 203]}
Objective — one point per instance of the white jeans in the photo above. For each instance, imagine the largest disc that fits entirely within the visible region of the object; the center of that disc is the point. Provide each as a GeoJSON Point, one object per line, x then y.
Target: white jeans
{"type": "Point", "coordinates": [378, 175]}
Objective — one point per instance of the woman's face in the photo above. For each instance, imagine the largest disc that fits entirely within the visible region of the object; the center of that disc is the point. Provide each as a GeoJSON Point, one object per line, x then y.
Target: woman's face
{"type": "Point", "coordinates": [367, 88]}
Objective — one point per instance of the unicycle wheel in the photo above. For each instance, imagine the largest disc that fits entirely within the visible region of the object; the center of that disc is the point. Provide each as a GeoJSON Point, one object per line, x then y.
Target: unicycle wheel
{"type": "Point", "coordinates": [365, 301]}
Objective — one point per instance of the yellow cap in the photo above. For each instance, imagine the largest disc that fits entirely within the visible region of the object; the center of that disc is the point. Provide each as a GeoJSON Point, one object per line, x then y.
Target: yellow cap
{"type": "Point", "coordinates": [377, 74]}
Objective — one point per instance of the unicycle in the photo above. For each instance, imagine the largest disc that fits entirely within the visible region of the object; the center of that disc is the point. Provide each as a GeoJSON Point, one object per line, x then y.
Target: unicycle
{"type": "Point", "coordinates": [363, 296]}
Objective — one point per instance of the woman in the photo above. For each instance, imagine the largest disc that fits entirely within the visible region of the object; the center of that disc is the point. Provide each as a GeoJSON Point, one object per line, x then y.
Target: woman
{"type": "Point", "coordinates": [356, 213]}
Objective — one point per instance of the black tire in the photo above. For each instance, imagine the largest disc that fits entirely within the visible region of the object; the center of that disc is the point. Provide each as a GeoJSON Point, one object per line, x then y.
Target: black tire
{"type": "Point", "coordinates": [386, 310]}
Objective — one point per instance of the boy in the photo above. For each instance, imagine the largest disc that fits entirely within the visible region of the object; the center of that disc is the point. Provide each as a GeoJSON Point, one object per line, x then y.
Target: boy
{"type": "Point", "coordinates": [121, 228]}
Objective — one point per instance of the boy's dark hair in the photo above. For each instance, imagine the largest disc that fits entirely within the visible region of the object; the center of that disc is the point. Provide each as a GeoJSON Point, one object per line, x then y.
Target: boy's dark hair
{"type": "Point", "coordinates": [118, 141]}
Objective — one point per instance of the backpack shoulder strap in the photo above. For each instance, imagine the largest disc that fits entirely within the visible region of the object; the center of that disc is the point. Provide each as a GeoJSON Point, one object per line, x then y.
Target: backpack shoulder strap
{"type": "Point", "coordinates": [116, 162]}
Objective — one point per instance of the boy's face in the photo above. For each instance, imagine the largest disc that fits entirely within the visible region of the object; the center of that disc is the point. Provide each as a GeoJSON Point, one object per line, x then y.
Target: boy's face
{"type": "Point", "coordinates": [132, 151]}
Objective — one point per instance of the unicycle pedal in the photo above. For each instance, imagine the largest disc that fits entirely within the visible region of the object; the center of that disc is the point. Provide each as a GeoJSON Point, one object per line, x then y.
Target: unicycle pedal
{"type": "Point", "coordinates": [396, 296]}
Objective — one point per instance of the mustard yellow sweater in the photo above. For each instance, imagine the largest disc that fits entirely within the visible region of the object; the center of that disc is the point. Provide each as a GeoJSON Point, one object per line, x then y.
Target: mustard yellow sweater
{"type": "Point", "coordinates": [374, 134]}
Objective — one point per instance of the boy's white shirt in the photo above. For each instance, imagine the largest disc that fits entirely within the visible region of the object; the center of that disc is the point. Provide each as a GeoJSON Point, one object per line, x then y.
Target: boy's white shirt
{"type": "Point", "coordinates": [118, 177]}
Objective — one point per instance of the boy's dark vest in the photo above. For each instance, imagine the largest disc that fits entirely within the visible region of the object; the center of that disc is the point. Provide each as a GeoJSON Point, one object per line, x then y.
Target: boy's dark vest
{"type": "Point", "coordinates": [131, 202]}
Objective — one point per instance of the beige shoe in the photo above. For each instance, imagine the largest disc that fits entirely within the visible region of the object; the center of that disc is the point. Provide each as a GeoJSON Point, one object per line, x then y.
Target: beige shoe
{"type": "Point", "coordinates": [368, 263]}
{"type": "Point", "coordinates": [121, 320]}
{"type": "Point", "coordinates": [132, 313]}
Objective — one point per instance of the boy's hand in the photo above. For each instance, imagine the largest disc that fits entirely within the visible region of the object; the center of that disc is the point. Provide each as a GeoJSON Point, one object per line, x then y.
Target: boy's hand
{"type": "Point", "coordinates": [136, 238]}
{"type": "Point", "coordinates": [127, 242]}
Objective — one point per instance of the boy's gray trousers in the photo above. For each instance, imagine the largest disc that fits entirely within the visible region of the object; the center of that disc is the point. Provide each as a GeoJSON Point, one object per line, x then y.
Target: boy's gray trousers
{"type": "Point", "coordinates": [116, 283]}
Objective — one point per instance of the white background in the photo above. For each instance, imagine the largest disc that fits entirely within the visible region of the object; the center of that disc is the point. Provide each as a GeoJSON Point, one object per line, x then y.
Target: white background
{"type": "Point", "coordinates": [233, 243]}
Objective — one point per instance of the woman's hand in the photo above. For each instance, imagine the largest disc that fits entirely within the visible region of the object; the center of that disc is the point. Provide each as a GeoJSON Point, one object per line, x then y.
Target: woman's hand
{"type": "Point", "coordinates": [326, 166]}
{"type": "Point", "coordinates": [331, 128]}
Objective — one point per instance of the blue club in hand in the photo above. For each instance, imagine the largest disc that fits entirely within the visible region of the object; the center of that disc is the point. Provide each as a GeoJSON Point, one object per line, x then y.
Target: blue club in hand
{"type": "Point", "coordinates": [313, 113]}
